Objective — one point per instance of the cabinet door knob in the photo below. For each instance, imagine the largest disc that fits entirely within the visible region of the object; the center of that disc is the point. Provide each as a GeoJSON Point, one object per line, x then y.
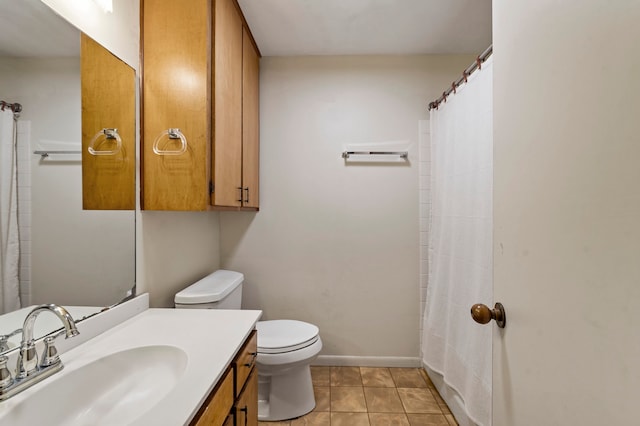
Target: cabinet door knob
{"type": "Point", "coordinates": [247, 199]}
{"type": "Point", "coordinates": [240, 189]}
{"type": "Point", "coordinates": [482, 314]}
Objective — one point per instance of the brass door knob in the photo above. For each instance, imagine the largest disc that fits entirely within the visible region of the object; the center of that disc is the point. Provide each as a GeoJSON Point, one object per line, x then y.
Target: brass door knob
{"type": "Point", "coordinates": [482, 314]}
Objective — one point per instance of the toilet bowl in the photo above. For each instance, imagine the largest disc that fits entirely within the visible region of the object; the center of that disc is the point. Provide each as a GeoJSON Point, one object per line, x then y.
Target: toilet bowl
{"type": "Point", "coordinates": [286, 348]}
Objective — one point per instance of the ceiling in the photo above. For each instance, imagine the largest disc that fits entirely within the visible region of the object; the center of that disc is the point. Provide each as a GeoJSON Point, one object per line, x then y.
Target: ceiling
{"type": "Point", "coordinates": [294, 27]}
{"type": "Point", "coordinates": [369, 27]}
{"type": "Point", "coordinates": [31, 29]}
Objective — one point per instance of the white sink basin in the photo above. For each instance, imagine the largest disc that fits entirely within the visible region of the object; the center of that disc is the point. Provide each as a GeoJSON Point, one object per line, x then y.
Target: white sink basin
{"type": "Point", "coordinates": [112, 390]}
{"type": "Point", "coordinates": [144, 371]}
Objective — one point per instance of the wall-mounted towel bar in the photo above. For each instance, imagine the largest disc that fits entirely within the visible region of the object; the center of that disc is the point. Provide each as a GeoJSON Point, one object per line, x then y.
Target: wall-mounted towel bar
{"type": "Point", "coordinates": [47, 153]}
{"type": "Point", "coordinates": [401, 154]}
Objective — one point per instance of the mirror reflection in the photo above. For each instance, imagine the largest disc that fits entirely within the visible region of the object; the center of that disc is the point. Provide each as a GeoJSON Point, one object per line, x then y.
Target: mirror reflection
{"type": "Point", "coordinates": [53, 251]}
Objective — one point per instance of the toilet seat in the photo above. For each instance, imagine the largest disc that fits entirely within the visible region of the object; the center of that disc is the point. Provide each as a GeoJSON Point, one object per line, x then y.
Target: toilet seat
{"type": "Point", "coordinates": [281, 336]}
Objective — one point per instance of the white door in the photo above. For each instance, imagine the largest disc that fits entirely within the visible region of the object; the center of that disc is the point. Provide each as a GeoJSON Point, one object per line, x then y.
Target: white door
{"type": "Point", "coordinates": [567, 212]}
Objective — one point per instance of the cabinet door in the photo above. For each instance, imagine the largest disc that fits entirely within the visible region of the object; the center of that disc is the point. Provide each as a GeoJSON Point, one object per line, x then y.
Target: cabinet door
{"type": "Point", "coordinates": [176, 94]}
{"type": "Point", "coordinates": [245, 361]}
{"type": "Point", "coordinates": [247, 404]}
{"type": "Point", "coordinates": [250, 122]}
{"type": "Point", "coordinates": [215, 411]}
{"type": "Point", "coordinates": [227, 106]}
{"type": "Point", "coordinates": [108, 102]}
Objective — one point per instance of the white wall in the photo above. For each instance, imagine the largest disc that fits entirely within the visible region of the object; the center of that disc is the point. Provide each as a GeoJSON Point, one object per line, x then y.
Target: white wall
{"type": "Point", "coordinates": [337, 244]}
{"type": "Point", "coordinates": [118, 31]}
{"type": "Point", "coordinates": [179, 248]}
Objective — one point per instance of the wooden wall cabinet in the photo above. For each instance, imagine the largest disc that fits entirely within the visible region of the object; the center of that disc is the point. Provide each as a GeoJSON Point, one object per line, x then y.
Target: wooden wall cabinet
{"type": "Point", "coordinates": [250, 122]}
{"type": "Point", "coordinates": [234, 401]}
{"type": "Point", "coordinates": [201, 76]}
{"type": "Point", "coordinates": [108, 87]}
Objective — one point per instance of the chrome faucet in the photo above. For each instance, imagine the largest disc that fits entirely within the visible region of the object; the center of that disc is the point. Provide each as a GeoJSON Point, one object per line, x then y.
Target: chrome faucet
{"type": "Point", "coordinates": [28, 370]}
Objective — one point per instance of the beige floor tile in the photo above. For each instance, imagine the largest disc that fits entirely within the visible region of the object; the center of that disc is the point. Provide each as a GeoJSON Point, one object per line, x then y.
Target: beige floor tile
{"type": "Point", "coordinates": [377, 377]}
{"type": "Point", "coordinates": [427, 420]}
{"type": "Point", "coordinates": [383, 400]}
{"type": "Point", "coordinates": [313, 419]}
{"type": "Point", "coordinates": [408, 377]}
{"type": "Point", "coordinates": [372, 396]}
{"type": "Point", "coordinates": [323, 398]}
{"type": "Point", "coordinates": [321, 376]}
{"type": "Point", "coordinates": [345, 376]}
{"type": "Point", "coordinates": [427, 379]}
{"type": "Point", "coordinates": [418, 400]}
{"type": "Point", "coordinates": [383, 419]}
{"type": "Point", "coordinates": [348, 399]}
{"type": "Point", "coordinates": [452, 420]}
{"type": "Point", "coordinates": [349, 419]}
{"type": "Point", "coordinates": [443, 405]}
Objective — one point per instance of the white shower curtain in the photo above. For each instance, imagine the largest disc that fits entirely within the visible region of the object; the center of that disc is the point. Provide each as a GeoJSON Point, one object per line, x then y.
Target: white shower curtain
{"type": "Point", "coordinates": [460, 243]}
{"type": "Point", "coordinates": [9, 238]}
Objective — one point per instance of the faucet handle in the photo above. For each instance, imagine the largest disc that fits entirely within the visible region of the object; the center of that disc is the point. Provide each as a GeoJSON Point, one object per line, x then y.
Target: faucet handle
{"type": "Point", "coordinates": [27, 360]}
{"type": "Point", "coordinates": [5, 375]}
{"type": "Point", "coordinates": [50, 354]}
{"type": "Point", "coordinates": [4, 344]}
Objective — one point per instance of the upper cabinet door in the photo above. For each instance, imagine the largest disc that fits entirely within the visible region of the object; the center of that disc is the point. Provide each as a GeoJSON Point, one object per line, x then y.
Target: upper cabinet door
{"type": "Point", "coordinates": [250, 122]}
{"type": "Point", "coordinates": [176, 88]}
{"type": "Point", "coordinates": [108, 129]}
{"type": "Point", "coordinates": [195, 72]}
{"type": "Point", "coordinates": [227, 107]}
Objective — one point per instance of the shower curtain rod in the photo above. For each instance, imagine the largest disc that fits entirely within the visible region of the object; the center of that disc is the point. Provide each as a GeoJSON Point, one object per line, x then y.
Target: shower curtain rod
{"type": "Point", "coordinates": [16, 107]}
{"type": "Point", "coordinates": [465, 74]}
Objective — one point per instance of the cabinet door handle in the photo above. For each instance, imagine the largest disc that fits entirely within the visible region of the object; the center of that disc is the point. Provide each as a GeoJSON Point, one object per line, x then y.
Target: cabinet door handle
{"type": "Point", "coordinates": [245, 410]}
{"type": "Point", "coordinates": [253, 359]}
{"type": "Point", "coordinates": [240, 200]}
{"type": "Point", "coordinates": [247, 199]}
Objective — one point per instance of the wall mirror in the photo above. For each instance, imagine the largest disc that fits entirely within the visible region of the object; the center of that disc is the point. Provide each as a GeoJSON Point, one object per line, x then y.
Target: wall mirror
{"type": "Point", "coordinates": [75, 209]}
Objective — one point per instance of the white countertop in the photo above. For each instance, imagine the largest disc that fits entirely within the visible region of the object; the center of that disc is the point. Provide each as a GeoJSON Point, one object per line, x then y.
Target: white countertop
{"type": "Point", "coordinates": [210, 338]}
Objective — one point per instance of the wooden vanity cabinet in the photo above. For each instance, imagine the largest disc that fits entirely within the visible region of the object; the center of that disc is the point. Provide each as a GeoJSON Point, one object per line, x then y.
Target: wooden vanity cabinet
{"type": "Point", "coordinates": [234, 401]}
{"type": "Point", "coordinates": [246, 407]}
{"type": "Point", "coordinates": [218, 404]}
{"type": "Point", "coordinates": [201, 76]}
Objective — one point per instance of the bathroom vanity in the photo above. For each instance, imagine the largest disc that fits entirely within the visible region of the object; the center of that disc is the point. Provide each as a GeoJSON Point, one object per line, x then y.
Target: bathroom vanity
{"type": "Point", "coordinates": [161, 366]}
{"type": "Point", "coordinates": [234, 401]}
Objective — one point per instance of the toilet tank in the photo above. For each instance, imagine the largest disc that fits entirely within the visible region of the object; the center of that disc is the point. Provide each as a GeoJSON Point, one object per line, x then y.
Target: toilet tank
{"type": "Point", "coordinates": [220, 290]}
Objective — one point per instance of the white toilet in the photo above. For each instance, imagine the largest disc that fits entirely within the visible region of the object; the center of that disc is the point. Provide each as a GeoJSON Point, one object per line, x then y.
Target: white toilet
{"type": "Point", "coordinates": [286, 348]}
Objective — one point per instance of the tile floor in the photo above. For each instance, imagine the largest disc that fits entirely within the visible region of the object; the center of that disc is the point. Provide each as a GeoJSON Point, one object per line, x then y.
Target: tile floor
{"type": "Point", "coordinates": [367, 396]}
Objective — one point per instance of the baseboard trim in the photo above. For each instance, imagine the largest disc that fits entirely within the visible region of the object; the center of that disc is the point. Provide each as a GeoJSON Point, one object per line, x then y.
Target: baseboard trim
{"type": "Point", "coordinates": [367, 361]}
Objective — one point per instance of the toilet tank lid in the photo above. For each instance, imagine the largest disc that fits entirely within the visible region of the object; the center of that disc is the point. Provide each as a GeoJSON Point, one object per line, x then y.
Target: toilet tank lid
{"type": "Point", "coordinates": [212, 288]}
